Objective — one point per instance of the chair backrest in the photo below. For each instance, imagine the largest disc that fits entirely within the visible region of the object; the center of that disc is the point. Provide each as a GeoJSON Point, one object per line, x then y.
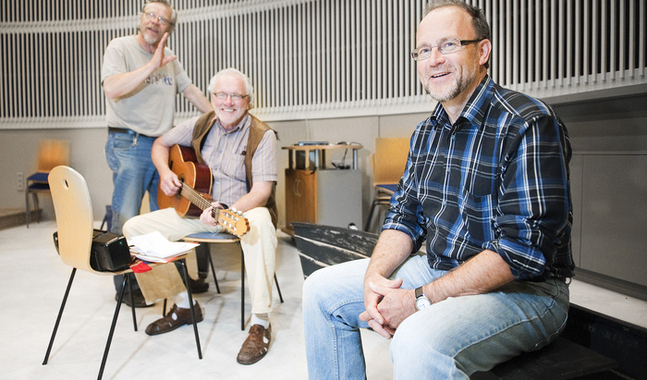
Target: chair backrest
{"type": "Point", "coordinates": [389, 160]}
{"type": "Point", "coordinates": [52, 153]}
{"type": "Point", "coordinates": [74, 219]}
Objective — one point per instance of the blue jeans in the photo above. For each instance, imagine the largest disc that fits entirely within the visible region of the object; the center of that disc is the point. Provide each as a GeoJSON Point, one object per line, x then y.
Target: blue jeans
{"type": "Point", "coordinates": [133, 173]}
{"type": "Point", "coordinates": [450, 339]}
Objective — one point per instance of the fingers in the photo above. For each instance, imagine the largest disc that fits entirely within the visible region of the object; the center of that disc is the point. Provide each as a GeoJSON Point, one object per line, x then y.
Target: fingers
{"type": "Point", "coordinates": [378, 328]}
{"type": "Point", "coordinates": [168, 59]}
{"type": "Point", "coordinates": [371, 308]}
{"type": "Point", "coordinates": [162, 44]}
{"type": "Point", "coordinates": [207, 217]}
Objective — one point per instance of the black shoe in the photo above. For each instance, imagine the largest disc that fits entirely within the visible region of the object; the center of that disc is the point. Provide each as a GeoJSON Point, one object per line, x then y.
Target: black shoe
{"type": "Point", "coordinates": [140, 301]}
{"type": "Point", "coordinates": [199, 286]}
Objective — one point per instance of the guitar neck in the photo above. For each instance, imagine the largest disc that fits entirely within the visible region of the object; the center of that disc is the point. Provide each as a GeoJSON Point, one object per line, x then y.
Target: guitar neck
{"type": "Point", "coordinates": [194, 197]}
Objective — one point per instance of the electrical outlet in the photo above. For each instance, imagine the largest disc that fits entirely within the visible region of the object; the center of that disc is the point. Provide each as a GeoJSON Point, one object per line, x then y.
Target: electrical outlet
{"type": "Point", "coordinates": [21, 182]}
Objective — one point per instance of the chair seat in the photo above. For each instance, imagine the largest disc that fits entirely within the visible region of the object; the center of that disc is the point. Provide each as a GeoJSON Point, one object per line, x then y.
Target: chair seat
{"type": "Point", "coordinates": [387, 188]}
{"type": "Point", "coordinates": [206, 237]}
{"type": "Point", "coordinates": [38, 177]}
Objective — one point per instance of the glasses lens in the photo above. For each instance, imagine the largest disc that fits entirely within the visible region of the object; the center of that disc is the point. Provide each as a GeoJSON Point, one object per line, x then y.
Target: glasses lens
{"type": "Point", "coordinates": [152, 16]}
{"type": "Point", "coordinates": [449, 46]}
{"type": "Point", "coordinates": [223, 95]}
{"type": "Point", "coordinates": [421, 53]}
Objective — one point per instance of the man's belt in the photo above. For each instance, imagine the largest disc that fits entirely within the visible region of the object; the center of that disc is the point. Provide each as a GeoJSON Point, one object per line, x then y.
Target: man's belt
{"type": "Point", "coordinates": [126, 131]}
{"type": "Point", "coordinates": [119, 130]}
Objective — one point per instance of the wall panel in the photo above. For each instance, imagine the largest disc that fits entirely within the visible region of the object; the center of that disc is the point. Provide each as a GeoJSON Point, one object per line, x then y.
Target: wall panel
{"type": "Point", "coordinates": [309, 58]}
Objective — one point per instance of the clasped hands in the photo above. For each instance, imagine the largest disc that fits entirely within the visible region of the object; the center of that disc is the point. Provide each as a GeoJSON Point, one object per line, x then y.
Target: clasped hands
{"type": "Point", "coordinates": [387, 305]}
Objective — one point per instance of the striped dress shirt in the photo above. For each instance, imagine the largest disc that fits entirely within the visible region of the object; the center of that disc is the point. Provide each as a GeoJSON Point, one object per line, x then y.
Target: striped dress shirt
{"type": "Point", "coordinates": [224, 152]}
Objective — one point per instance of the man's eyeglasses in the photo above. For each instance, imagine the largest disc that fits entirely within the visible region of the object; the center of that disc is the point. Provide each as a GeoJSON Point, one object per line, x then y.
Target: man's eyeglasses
{"type": "Point", "coordinates": [152, 16]}
{"type": "Point", "coordinates": [224, 95]}
{"type": "Point", "coordinates": [451, 45]}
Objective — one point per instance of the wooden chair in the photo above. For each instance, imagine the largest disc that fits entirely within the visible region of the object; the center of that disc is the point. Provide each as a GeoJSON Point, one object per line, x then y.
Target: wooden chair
{"type": "Point", "coordinates": [224, 238]}
{"type": "Point", "coordinates": [74, 221]}
{"type": "Point", "coordinates": [387, 165]}
{"type": "Point", "coordinates": [51, 153]}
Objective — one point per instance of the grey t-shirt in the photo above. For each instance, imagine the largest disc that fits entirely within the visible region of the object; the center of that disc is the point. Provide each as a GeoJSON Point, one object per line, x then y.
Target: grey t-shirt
{"type": "Point", "coordinates": [149, 109]}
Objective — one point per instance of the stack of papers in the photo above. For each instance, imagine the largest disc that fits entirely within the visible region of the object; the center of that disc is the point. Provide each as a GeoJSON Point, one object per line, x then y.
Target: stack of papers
{"type": "Point", "coordinates": [154, 247]}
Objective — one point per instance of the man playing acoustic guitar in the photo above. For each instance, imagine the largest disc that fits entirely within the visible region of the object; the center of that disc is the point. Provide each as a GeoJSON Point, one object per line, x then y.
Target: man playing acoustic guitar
{"type": "Point", "coordinates": [240, 150]}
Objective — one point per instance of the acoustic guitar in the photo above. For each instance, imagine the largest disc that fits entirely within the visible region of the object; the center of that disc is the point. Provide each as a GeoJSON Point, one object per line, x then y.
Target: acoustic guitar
{"type": "Point", "coordinates": [195, 194]}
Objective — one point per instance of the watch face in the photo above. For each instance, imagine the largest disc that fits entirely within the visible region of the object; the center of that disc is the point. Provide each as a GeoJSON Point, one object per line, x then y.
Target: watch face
{"type": "Point", "coordinates": [422, 303]}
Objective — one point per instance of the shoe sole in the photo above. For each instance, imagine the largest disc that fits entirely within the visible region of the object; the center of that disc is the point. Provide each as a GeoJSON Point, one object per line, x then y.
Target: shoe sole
{"type": "Point", "coordinates": [252, 362]}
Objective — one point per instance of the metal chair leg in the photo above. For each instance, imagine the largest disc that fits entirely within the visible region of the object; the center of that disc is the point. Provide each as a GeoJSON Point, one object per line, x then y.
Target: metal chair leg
{"type": "Point", "coordinates": [213, 270]}
{"type": "Point", "coordinates": [28, 216]}
{"type": "Point", "coordinates": [276, 281]}
{"type": "Point", "coordinates": [370, 215]}
{"type": "Point", "coordinates": [242, 288]}
{"type": "Point", "coordinates": [112, 327]}
{"type": "Point", "coordinates": [132, 300]}
{"type": "Point", "coordinates": [36, 205]}
{"type": "Point", "coordinates": [60, 314]}
{"type": "Point", "coordinates": [185, 274]}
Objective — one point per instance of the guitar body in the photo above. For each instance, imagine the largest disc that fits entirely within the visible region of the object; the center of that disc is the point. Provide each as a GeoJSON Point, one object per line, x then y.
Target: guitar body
{"type": "Point", "coordinates": [184, 163]}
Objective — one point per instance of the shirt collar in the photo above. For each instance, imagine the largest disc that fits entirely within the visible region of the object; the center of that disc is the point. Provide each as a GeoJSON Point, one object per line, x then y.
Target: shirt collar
{"type": "Point", "coordinates": [244, 122]}
{"type": "Point", "coordinates": [473, 112]}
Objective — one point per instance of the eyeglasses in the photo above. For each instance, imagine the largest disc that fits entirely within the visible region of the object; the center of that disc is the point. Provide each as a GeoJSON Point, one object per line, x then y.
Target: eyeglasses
{"type": "Point", "coordinates": [224, 95]}
{"type": "Point", "coordinates": [152, 16]}
{"type": "Point", "coordinates": [451, 45]}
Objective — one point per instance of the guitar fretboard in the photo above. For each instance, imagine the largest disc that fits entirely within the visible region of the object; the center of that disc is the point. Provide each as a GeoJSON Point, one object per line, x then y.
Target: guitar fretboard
{"type": "Point", "coordinates": [195, 197]}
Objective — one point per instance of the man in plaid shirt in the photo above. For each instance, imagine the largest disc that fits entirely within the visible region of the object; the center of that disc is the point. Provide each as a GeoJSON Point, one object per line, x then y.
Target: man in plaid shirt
{"type": "Point", "coordinates": [487, 187]}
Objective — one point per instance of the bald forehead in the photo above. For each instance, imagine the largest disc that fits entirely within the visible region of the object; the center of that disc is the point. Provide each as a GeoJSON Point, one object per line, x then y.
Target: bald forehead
{"type": "Point", "coordinates": [450, 20]}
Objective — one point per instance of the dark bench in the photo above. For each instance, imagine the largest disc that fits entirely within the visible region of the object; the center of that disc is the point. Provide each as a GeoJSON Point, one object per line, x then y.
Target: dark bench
{"type": "Point", "coordinates": [590, 344]}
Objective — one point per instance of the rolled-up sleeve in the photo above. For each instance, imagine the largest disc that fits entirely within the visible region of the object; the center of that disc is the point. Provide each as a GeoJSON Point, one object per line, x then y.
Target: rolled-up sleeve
{"type": "Point", "coordinates": [534, 201]}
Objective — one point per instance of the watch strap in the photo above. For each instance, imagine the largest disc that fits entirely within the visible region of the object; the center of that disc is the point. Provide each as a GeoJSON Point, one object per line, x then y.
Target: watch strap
{"type": "Point", "coordinates": [419, 292]}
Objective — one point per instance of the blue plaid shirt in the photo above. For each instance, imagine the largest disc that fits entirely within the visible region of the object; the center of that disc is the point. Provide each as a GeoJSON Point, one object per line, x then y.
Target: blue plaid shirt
{"type": "Point", "coordinates": [496, 179]}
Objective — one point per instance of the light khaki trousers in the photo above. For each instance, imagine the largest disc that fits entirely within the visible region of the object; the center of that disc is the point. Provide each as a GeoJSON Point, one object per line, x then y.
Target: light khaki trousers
{"type": "Point", "coordinates": [259, 248]}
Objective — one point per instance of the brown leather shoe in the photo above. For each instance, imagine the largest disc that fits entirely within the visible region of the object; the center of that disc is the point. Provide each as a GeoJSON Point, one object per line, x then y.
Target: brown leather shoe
{"type": "Point", "coordinates": [175, 318]}
{"type": "Point", "coordinates": [256, 345]}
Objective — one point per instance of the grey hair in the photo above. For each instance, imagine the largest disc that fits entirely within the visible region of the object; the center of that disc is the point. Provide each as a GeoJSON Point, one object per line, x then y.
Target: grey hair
{"type": "Point", "coordinates": [167, 4]}
{"type": "Point", "coordinates": [249, 89]}
{"type": "Point", "coordinates": [479, 22]}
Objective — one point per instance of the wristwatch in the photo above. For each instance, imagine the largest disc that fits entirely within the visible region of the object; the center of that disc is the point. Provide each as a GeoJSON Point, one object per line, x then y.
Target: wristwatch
{"type": "Point", "coordinates": [421, 299]}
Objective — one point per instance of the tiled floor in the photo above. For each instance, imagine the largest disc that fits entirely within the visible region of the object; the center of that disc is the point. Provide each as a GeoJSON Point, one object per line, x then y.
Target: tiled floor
{"type": "Point", "coordinates": [34, 278]}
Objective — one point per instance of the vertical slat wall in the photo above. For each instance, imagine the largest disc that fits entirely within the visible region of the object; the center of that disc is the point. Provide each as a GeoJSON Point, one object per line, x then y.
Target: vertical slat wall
{"type": "Point", "coordinates": [308, 58]}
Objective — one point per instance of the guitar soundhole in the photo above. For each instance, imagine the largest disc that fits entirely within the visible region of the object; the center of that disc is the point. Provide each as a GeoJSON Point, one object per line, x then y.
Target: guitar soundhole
{"type": "Point", "coordinates": [178, 195]}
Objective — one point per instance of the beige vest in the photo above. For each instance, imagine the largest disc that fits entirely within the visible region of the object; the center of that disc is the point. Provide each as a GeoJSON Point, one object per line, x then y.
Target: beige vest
{"type": "Point", "coordinates": [257, 130]}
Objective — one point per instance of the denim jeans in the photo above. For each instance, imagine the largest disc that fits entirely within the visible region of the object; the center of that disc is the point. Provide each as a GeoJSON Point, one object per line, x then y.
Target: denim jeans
{"type": "Point", "coordinates": [133, 173]}
{"type": "Point", "coordinates": [450, 339]}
